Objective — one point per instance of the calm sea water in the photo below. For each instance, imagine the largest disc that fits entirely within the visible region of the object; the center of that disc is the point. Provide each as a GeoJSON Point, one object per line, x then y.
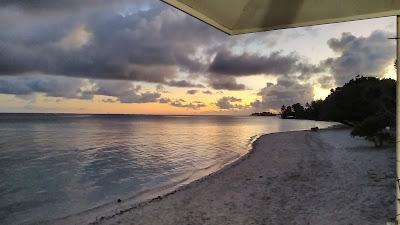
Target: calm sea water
{"type": "Point", "coordinates": [52, 166]}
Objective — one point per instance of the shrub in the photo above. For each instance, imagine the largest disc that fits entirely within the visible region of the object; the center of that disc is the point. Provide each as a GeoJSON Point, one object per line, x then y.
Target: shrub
{"type": "Point", "coordinates": [373, 128]}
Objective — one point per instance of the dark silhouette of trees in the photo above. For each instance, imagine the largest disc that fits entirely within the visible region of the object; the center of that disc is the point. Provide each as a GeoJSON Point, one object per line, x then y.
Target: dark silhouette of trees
{"type": "Point", "coordinates": [287, 113]}
{"type": "Point", "coordinates": [366, 103]}
{"type": "Point", "coordinates": [359, 99]}
{"type": "Point", "coordinates": [297, 111]}
{"type": "Point", "coordinates": [263, 114]}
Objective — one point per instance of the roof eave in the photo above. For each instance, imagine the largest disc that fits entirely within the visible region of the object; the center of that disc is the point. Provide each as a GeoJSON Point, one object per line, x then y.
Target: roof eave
{"type": "Point", "coordinates": [188, 10]}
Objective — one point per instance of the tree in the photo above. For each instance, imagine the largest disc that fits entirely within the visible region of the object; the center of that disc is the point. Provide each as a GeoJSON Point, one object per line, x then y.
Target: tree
{"type": "Point", "coordinates": [359, 99]}
{"type": "Point", "coordinates": [287, 113]}
{"type": "Point", "coordinates": [366, 103]}
{"type": "Point", "coordinates": [298, 110]}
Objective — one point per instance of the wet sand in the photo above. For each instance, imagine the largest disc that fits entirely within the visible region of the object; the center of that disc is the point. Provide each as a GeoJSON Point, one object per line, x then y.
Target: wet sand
{"type": "Point", "coordinates": [302, 177]}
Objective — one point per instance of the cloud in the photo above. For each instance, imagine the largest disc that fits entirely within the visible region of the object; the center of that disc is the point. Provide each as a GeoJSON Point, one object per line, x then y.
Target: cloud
{"type": "Point", "coordinates": [257, 104]}
{"type": "Point", "coordinates": [98, 47]}
{"type": "Point", "coordinates": [208, 92]}
{"type": "Point", "coordinates": [125, 92]}
{"type": "Point", "coordinates": [138, 41]}
{"type": "Point", "coordinates": [109, 100]}
{"type": "Point", "coordinates": [248, 64]}
{"type": "Point", "coordinates": [76, 39]}
{"type": "Point", "coordinates": [221, 82]}
{"type": "Point", "coordinates": [326, 82]}
{"type": "Point", "coordinates": [183, 83]}
{"type": "Point", "coordinates": [226, 63]}
{"type": "Point", "coordinates": [50, 86]}
{"type": "Point", "coordinates": [229, 103]}
{"type": "Point", "coordinates": [360, 55]}
{"type": "Point", "coordinates": [164, 100]}
{"type": "Point", "coordinates": [48, 5]}
{"type": "Point", "coordinates": [75, 88]}
{"type": "Point", "coordinates": [191, 92]}
{"type": "Point", "coordinates": [285, 92]}
{"type": "Point", "coordinates": [160, 88]}
{"type": "Point", "coordinates": [182, 104]}
{"type": "Point", "coordinates": [121, 40]}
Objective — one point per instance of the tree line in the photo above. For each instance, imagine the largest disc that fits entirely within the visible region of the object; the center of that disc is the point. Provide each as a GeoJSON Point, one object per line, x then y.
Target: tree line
{"type": "Point", "coordinates": [368, 104]}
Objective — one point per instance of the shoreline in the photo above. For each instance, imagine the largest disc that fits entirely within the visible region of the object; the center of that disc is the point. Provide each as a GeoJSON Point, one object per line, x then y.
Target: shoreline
{"type": "Point", "coordinates": [229, 165]}
{"type": "Point", "coordinates": [186, 192]}
{"type": "Point", "coordinates": [182, 186]}
{"type": "Point", "coordinates": [112, 209]}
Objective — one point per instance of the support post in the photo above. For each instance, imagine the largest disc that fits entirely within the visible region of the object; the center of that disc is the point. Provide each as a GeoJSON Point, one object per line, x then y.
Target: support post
{"type": "Point", "coordinates": [398, 120]}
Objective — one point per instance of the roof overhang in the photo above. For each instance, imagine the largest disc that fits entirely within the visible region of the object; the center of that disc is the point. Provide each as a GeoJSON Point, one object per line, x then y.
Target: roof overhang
{"type": "Point", "coordinates": [246, 16]}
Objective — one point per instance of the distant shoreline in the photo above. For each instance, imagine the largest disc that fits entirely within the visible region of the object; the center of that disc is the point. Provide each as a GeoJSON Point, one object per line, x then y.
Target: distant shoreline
{"type": "Point", "coordinates": [118, 114]}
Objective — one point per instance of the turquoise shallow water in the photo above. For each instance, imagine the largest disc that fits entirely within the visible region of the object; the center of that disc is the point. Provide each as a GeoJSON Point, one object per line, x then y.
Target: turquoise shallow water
{"type": "Point", "coordinates": [52, 166]}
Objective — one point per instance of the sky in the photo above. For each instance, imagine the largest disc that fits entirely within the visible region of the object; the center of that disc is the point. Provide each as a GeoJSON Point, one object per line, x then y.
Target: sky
{"type": "Point", "coordinates": [145, 57]}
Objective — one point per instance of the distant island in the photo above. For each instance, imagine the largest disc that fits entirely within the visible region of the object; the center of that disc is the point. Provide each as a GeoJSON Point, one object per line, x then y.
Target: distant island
{"type": "Point", "coordinates": [263, 114]}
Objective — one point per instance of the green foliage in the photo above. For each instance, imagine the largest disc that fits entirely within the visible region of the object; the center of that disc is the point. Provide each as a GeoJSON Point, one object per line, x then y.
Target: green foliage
{"type": "Point", "coordinates": [367, 103]}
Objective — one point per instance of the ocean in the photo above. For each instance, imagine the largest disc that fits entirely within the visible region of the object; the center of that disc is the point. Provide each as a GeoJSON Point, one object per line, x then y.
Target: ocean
{"type": "Point", "coordinates": [56, 166]}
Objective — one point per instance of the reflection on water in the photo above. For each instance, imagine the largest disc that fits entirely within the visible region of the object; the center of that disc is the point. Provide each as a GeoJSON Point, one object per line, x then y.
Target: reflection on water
{"type": "Point", "coordinates": [56, 165]}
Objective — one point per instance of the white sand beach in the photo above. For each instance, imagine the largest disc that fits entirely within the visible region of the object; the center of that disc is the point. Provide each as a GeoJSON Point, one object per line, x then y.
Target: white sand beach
{"type": "Point", "coordinates": [303, 177]}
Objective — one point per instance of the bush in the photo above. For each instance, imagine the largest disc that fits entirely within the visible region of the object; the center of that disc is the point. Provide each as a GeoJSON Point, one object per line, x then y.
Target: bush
{"type": "Point", "coordinates": [373, 128]}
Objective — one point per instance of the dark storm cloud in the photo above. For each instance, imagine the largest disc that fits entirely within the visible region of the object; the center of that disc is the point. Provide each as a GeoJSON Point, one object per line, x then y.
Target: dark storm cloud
{"type": "Point", "coordinates": [285, 92]}
{"type": "Point", "coordinates": [360, 55]}
{"type": "Point", "coordinates": [222, 82]}
{"type": "Point", "coordinates": [229, 103]}
{"type": "Point", "coordinates": [227, 63]}
{"type": "Point", "coordinates": [144, 45]}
